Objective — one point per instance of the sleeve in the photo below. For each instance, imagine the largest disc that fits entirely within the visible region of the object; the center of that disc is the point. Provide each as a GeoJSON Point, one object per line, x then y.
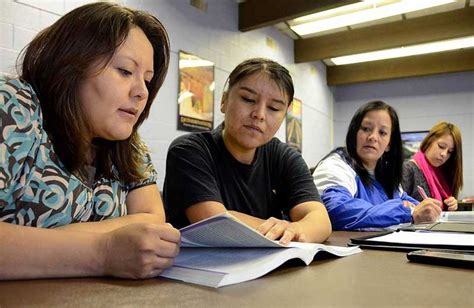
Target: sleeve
{"type": "Point", "coordinates": [298, 182]}
{"type": "Point", "coordinates": [20, 118]}
{"type": "Point", "coordinates": [334, 171]}
{"type": "Point", "coordinates": [336, 180]}
{"type": "Point", "coordinates": [190, 176]}
{"type": "Point", "coordinates": [408, 178]}
{"type": "Point", "coordinates": [409, 182]}
{"type": "Point", "coordinates": [150, 175]}
{"type": "Point", "coordinates": [405, 197]}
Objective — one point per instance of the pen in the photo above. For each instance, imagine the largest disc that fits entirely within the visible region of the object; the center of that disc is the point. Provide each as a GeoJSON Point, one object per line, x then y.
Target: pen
{"type": "Point", "coordinates": [421, 191]}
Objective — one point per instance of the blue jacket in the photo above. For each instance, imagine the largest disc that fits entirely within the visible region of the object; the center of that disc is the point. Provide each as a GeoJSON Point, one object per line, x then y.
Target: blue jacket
{"type": "Point", "coordinates": [351, 205]}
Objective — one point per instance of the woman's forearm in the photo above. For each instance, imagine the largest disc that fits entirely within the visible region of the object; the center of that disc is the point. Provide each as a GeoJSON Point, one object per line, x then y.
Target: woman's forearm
{"type": "Point", "coordinates": [28, 253]}
{"type": "Point", "coordinates": [113, 223]}
{"type": "Point", "coordinates": [312, 220]}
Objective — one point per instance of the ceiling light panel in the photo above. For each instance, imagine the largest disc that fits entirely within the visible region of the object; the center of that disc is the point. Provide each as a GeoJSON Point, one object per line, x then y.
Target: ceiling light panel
{"type": "Point", "coordinates": [358, 13]}
{"type": "Point", "coordinates": [460, 43]}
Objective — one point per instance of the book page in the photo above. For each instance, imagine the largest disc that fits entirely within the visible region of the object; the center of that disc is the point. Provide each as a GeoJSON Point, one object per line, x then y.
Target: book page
{"type": "Point", "coordinates": [334, 250]}
{"type": "Point", "coordinates": [217, 267]}
{"type": "Point", "coordinates": [194, 275]}
{"type": "Point", "coordinates": [221, 250]}
{"type": "Point", "coordinates": [467, 216]}
{"type": "Point", "coordinates": [230, 264]}
{"type": "Point", "coordinates": [223, 230]}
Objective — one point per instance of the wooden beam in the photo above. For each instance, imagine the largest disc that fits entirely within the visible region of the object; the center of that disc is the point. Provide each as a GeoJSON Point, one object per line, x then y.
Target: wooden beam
{"type": "Point", "coordinates": [254, 14]}
{"type": "Point", "coordinates": [422, 65]}
{"type": "Point", "coordinates": [457, 23]}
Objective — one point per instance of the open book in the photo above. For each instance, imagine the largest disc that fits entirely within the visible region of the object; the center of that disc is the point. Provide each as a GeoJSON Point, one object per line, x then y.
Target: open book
{"type": "Point", "coordinates": [221, 251]}
{"type": "Point", "coordinates": [461, 216]}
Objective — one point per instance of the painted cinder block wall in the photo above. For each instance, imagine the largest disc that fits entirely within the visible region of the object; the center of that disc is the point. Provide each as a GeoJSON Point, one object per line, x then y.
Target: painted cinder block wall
{"type": "Point", "coordinates": [214, 35]}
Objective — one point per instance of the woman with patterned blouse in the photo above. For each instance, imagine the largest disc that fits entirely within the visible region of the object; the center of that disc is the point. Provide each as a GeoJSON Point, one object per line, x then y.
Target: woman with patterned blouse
{"type": "Point", "coordinates": [77, 187]}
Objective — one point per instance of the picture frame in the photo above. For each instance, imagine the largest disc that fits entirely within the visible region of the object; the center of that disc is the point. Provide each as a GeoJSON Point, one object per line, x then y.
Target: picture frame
{"type": "Point", "coordinates": [294, 125]}
{"type": "Point", "coordinates": [195, 93]}
{"type": "Point", "coordinates": [411, 142]}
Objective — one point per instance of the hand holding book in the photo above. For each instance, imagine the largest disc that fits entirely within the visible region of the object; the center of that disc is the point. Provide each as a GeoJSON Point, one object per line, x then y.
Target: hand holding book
{"type": "Point", "coordinates": [221, 250]}
{"type": "Point", "coordinates": [283, 230]}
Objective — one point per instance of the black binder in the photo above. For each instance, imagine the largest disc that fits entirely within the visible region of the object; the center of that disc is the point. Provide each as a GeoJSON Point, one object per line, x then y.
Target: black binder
{"type": "Point", "coordinates": [443, 227]}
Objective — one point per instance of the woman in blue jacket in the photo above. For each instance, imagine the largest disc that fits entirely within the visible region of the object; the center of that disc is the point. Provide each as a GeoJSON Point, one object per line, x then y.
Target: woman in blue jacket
{"type": "Point", "coordinates": [360, 183]}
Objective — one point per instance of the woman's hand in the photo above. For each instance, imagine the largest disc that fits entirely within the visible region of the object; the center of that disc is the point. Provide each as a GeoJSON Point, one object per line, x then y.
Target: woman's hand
{"type": "Point", "coordinates": [427, 211]}
{"type": "Point", "coordinates": [139, 251]}
{"type": "Point", "coordinates": [452, 203]}
{"type": "Point", "coordinates": [286, 231]}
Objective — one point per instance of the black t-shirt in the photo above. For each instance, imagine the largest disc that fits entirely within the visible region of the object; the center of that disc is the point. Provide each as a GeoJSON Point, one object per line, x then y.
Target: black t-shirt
{"type": "Point", "coordinates": [200, 168]}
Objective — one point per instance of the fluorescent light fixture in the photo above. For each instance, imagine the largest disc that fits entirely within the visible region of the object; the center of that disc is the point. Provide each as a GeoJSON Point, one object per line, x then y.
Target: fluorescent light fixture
{"type": "Point", "coordinates": [359, 13]}
{"type": "Point", "coordinates": [341, 10]}
{"type": "Point", "coordinates": [459, 43]}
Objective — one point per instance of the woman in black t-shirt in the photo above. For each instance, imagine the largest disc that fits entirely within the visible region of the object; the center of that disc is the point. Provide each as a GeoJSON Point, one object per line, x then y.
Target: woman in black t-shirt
{"type": "Point", "coordinates": [241, 168]}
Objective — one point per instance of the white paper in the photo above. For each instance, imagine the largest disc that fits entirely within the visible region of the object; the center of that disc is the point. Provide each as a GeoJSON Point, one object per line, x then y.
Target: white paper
{"type": "Point", "coordinates": [427, 238]}
{"type": "Point", "coordinates": [462, 216]}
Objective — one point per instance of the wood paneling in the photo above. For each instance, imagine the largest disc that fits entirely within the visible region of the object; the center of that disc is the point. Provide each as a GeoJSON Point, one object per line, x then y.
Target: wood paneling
{"type": "Point", "coordinates": [430, 28]}
{"type": "Point", "coordinates": [254, 14]}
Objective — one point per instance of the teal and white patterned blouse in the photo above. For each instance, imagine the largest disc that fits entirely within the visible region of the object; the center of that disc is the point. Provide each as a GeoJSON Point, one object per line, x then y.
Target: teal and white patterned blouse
{"type": "Point", "coordinates": [35, 187]}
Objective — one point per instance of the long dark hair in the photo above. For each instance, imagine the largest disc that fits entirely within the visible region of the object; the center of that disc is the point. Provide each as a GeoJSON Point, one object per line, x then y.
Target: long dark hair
{"type": "Point", "coordinates": [452, 168]}
{"type": "Point", "coordinates": [61, 56]}
{"type": "Point", "coordinates": [388, 170]}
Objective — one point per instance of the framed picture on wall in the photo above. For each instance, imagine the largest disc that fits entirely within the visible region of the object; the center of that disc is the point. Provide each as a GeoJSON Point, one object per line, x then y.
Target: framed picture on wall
{"type": "Point", "coordinates": [196, 93]}
{"type": "Point", "coordinates": [294, 127]}
{"type": "Point", "coordinates": [411, 142]}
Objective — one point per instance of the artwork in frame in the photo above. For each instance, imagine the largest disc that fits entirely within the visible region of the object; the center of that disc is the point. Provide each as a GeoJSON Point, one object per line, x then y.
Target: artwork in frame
{"type": "Point", "coordinates": [411, 142]}
{"type": "Point", "coordinates": [196, 93]}
{"type": "Point", "coordinates": [294, 127]}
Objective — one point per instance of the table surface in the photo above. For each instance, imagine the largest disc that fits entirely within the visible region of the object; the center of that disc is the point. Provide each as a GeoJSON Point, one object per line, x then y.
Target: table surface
{"type": "Point", "coordinates": [373, 278]}
{"type": "Point", "coordinates": [465, 206]}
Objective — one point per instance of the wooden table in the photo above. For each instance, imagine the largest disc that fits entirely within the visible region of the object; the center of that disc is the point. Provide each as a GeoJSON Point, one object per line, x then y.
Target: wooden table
{"type": "Point", "coordinates": [373, 278]}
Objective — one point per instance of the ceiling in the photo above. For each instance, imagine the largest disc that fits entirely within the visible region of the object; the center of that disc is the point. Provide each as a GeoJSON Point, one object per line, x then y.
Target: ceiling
{"type": "Point", "coordinates": [440, 23]}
